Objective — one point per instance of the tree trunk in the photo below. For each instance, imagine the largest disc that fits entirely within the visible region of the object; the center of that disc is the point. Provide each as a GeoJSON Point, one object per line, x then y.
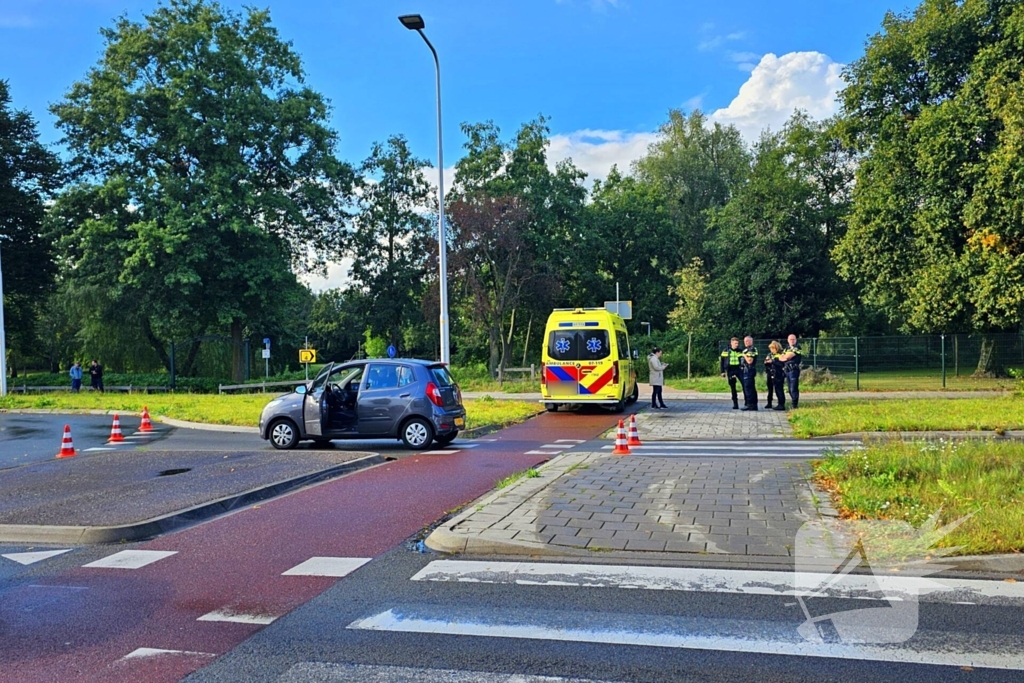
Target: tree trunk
{"type": "Point", "coordinates": [985, 365]}
{"type": "Point", "coordinates": [157, 344]}
{"type": "Point", "coordinates": [237, 352]}
{"type": "Point", "coordinates": [493, 341]}
{"type": "Point", "coordinates": [526, 344]}
{"type": "Point", "coordinates": [689, 346]}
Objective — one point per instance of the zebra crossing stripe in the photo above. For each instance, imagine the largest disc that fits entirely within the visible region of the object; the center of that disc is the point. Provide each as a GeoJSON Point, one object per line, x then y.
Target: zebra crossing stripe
{"type": "Point", "coordinates": [708, 580]}
{"type": "Point", "coordinates": [724, 635]}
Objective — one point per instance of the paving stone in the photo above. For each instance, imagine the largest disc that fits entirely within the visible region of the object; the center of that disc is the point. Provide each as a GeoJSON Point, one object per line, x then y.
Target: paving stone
{"type": "Point", "coordinates": [607, 543]}
{"type": "Point", "coordinates": [655, 546]}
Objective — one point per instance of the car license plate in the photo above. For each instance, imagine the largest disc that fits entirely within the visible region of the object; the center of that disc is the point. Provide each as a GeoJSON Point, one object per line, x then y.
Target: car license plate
{"type": "Point", "coordinates": [459, 422]}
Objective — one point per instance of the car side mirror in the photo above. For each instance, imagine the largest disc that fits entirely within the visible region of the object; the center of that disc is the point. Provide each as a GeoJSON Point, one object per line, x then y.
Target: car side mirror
{"type": "Point", "coordinates": [301, 389]}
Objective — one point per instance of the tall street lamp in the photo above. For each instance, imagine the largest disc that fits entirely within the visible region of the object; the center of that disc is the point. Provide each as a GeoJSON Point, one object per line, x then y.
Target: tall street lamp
{"type": "Point", "coordinates": [414, 22]}
{"type": "Point", "coordinates": [3, 343]}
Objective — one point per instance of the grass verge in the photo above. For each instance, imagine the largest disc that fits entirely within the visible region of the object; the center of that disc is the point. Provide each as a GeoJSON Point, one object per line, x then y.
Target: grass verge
{"type": "Point", "coordinates": [910, 481]}
{"type": "Point", "coordinates": [530, 473]}
{"type": "Point", "coordinates": [998, 414]}
{"type": "Point", "coordinates": [235, 409]}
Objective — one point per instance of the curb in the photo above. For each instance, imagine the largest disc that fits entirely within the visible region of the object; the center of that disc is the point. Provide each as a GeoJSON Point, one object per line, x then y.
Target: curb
{"type": "Point", "coordinates": [207, 427]}
{"type": "Point", "coordinates": [33, 533]}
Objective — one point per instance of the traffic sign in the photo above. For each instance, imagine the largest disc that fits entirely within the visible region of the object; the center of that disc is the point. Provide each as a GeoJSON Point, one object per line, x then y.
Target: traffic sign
{"type": "Point", "coordinates": [266, 340]}
{"type": "Point", "coordinates": [266, 353]}
{"type": "Point", "coordinates": [307, 355]}
{"type": "Point", "coordinates": [392, 351]}
{"type": "Point", "coordinates": [624, 309]}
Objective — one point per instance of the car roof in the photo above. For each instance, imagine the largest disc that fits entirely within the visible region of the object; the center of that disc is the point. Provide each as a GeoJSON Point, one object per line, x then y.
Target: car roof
{"type": "Point", "coordinates": [393, 361]}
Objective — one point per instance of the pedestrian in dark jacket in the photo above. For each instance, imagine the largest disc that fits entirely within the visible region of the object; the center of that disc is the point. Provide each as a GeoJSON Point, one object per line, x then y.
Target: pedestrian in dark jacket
{"type": "Point", "coordinates": [748, 375]}
{"type": "Point", "coordinates": [96, 375]}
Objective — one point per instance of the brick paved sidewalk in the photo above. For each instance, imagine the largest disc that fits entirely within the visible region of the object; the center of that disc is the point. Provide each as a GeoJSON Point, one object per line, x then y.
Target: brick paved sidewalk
{"type": "Point", "coordinates": [696, 510]}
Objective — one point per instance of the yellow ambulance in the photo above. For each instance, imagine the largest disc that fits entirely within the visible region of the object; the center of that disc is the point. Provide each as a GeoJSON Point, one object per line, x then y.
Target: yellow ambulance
{"type": "Point", "coordinates": [587, 359]}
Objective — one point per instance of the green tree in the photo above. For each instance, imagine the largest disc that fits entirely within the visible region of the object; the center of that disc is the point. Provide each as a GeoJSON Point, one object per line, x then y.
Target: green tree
{"type": "Point", "coordinates": [698, 165]}
{"type": "Point", "coordinates": [391, 238]}
{"type": "Point", "coordinates": [772, 273]}
{"type": "Point", "coordinates": [29, 174]}
{"type": "Point", "coordinates": [691, 292]}
{"type": "Point", "coordinates": [934, 109]}
{"type": "Point", "coordinates": [208, 173]}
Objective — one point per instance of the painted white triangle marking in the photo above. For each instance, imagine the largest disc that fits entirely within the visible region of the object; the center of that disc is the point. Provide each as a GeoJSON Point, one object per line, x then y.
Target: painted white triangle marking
{"type": "Point", "coordinates": [156, 652]}
{"type": "Point", "coordinates": [327, 566]}
{"type": "Point", "coordinates": [130, 559]}
{"type": "Point", "coordinates": [569, 441]}
{"type": "Point", "coordinates": [32, 558]}
{"type": "Point", "coordinates": [448, 452]}
{"type": "Point", "coordinates": [542, 452]}
{"type": "Point", "coordinates": [234, 617]}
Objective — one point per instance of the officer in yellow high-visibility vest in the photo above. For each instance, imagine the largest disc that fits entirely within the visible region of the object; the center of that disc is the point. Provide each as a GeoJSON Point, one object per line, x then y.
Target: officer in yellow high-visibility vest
{"type": "Point", "coordinates": [791, 359]}
{"type": "Point", "coordinates": [730, 368]}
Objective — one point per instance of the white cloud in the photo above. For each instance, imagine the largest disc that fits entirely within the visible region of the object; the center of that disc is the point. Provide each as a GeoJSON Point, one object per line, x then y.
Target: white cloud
{"type": "Point", "coordinates": [596, 151]}
{"type": "Point", "coordinates": [712, 42]}
{"type": "Point", "coordinates": [337, 276]}
{"type": "Point", "coordinates": [778, 85]}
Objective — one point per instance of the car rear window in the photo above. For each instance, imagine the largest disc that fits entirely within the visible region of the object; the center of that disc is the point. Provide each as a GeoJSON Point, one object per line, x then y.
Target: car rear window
{"type": "Point", "coordinates": [441, 375]}
{"type": "Point", "coordinates": [586, 344]}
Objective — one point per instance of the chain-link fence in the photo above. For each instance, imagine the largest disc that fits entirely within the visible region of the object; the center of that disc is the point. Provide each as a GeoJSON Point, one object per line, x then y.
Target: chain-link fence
{"type": "Point", "coordinates": [951, 361]}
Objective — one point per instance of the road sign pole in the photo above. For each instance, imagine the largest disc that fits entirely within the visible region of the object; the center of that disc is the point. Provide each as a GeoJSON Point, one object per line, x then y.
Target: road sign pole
{"type": "Point", "coordinates": [307, 364]}
{"type": "Point", "coordinates": [3, 340]}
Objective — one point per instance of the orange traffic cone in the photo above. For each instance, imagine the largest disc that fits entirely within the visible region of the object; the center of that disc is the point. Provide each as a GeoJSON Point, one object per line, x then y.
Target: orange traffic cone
{"type": "Point", "coordinates": [621, 447]}
{"type": "Point", "coordinates": [67, 447]}
{"type": "Point", "coordinates": [115, 431]}
{"type": "Point", "coordinates": [634, 435]}
{"type": "Point", "coordinates": [146, 425]}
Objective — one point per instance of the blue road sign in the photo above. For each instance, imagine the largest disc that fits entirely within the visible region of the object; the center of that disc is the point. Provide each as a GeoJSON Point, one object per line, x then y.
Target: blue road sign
{"type": "Point", "coordinates": [392, 351]}
{"type": "Point", "coordinates": [266, 340]}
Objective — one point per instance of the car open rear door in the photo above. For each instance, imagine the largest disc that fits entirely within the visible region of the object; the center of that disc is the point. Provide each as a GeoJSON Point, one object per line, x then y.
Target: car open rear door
{"type": "Point", "coordinates": [314, 404]}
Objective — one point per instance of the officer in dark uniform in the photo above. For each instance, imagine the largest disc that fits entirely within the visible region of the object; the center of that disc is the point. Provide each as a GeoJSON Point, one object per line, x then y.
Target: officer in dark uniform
{"type": "Point", "coordinates": [776, 376]}
{"type": "Point", "coordinates": [748, 374]}
{"type": "Point", "coordinates": [730, 367]}
{"type": "Point", "coordinates": [791, 359]}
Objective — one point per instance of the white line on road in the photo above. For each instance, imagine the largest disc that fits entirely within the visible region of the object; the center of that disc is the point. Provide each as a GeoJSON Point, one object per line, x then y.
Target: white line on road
{"type": "Point", "coordinates": [131, 559]}
{"type": "Point", "coordinates": [569, 441]}
{"type": "Point", "coordinates": [234, 617]}
{"type": "Point", "coordinates": [448, 452]}
{"type": "Point", "coordinates": [327, 566]}
{"type": "Point", "coordinates": [542, 452]}
{"type": "Point", "coordinates": [156, 652]}
{"type": "Point", "coordinates": [89, 450]}
{"type": "Point", "coordinates": [745, 581]}
{"type": "Point", "coordinates": [724, 635]}
{"type": "Point", "coordinates": [327, 672]}
{"type": "Point", "coordinates": [553, 445]}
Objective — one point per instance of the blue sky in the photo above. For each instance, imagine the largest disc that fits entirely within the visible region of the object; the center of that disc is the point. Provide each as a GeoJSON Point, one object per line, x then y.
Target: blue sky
{"type": "Point", "coordinates": [604, 71]}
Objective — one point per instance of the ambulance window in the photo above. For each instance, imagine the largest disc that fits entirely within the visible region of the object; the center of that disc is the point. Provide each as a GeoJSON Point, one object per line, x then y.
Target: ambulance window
{"type": "Point", "coordinates": [562, 345]}
{"type": "Point", "coordinates": [593, 344]}
{"type": "Point", "coordinates": [623, 343]}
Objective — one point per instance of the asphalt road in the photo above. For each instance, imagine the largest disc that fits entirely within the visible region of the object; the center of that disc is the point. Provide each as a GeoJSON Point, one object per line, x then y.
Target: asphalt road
{"type": "Point", "coordinates": [28, 438]}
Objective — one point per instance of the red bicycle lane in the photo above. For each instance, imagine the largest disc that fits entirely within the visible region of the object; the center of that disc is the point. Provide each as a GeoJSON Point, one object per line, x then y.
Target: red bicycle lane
{"type": "Point", "coordinates": [111, 624]}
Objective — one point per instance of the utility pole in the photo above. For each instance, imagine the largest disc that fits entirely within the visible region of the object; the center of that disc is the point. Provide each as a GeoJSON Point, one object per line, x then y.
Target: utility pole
{"type": "Point", "coordinates": [3, 340]}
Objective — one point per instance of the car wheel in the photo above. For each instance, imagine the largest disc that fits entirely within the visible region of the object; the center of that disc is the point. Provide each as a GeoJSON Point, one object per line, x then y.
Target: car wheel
{"type": "Point", "coordinates": [619, 407]}
{"type": "Point", "coordinates": [446, 439]}
{"type": "Point", "coordinates": [551, 407]}
{"type": "Point", "coordinates": [635, 395]}
{"type": "Point", "coordinates": [283, 434]}
{"type": "Point", "coordinates": [417, 434]}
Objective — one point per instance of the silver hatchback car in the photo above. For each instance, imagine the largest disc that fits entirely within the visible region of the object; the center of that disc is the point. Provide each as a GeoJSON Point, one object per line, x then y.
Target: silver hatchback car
{"type": "Point", "coordinates": [416, 401]}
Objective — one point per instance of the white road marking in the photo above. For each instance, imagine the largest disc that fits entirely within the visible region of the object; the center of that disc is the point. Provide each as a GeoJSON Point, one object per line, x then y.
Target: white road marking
{"type": "Point", "coordinates": [89, 450]}
{"type": "Point", "coordinates": [327, 566]}
{"type": "Point", "coordinates": [32, 558]}
{"type": "Point", "coordinates": [542, 452]}
{"type": "Point", "coordinates": [466, 445]}
{"type": "Point", "coordinates": [569, 441]}
{"type": "Point", "coordinates": [370, 673]}
{"type": "Point", "coordinates": [156, 652]}
{"type": "Point", "coordinates": [448, 452]}
{"type": "Point", "coordinates": [234, 617]}
{"type": "Point", "coordinates": [131, 559]}
{"type": "Point", "coordinates": [745, 581]}
{"type": "Point", "coordinates": [724, 635]}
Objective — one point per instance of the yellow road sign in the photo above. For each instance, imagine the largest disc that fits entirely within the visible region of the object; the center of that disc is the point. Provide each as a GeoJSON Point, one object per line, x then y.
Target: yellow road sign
{"type": "Point", "coordinates": [307, 355]}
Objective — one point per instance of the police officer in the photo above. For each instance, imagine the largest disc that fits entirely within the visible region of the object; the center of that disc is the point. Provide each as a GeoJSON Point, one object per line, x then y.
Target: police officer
{"type": "Point", "coordinates": [776, 376]}
{"type": "Point", "coordinates": [791, 359]}
{"type": "Point", "coordinates": [730, 367]}
{"type": "Point", "coordinates": [748, 374]}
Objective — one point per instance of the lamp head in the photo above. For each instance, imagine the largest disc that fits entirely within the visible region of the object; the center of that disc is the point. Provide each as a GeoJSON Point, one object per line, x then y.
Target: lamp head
{"type": "Point", "coordinates": [413, 22]}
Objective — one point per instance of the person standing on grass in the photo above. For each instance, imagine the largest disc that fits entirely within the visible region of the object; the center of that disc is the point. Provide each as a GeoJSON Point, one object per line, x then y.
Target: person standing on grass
{"type": "Point", "coordinates": [657, 379]}
{"type": "Point", "coordinates": [748, 375]}
{"type": "Point", "coordinates": [96, 375]}
{"type": "Point", "coordinates": [76, 377]}
{"type": "Point", "coordinates": [791, 359]}
{"type": "Point", "coordinates": [730, 368]}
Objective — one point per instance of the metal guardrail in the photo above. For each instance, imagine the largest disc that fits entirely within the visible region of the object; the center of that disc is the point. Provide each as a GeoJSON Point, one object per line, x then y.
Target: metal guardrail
{"type": "Point", "coordinates": [532, 370]}
{"type": "Point", "coordinates": [262, 386]}
{"type": "Point", "coordinates": [129, 388]}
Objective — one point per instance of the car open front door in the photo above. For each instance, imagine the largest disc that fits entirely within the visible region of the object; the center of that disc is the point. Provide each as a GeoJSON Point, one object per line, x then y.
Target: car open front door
{"type": "Point", "coordinates": [314, 404]}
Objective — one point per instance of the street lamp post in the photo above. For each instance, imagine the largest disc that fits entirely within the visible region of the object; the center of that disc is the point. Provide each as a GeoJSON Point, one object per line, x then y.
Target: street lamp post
{"type": "Point", "coordinates": [414, 22]}
{"type": "Point", "coordinates": [3, 341]}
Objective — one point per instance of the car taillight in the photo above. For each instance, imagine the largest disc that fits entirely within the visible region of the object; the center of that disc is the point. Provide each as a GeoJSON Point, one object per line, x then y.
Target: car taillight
{"type": "Point", "coordinates": [615, 372]}
{"type": "Point", "coordinates": [543, 376]}
{"type": "Point", "coordinates": [434, 394]}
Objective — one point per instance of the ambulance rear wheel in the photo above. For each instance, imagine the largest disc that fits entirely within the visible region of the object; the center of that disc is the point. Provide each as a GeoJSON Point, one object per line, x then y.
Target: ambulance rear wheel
{"type": "Point", "coordinates": [619, 407]}
{"type": "Point", "coordinates": [634, 396]}
{"type": "Point", "coordinates": [551, 407]}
